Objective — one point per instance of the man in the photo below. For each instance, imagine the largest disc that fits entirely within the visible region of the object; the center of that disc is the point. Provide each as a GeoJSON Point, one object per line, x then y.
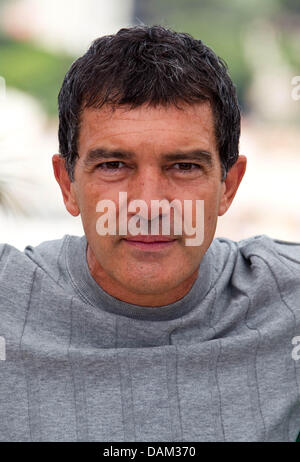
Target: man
{"type": "Point", "coordinates": [127, 336]}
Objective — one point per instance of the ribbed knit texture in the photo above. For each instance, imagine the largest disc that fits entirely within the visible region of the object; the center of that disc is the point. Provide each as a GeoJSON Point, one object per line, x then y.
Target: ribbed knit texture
{"type": "Point", "coordinates": [216, 365]}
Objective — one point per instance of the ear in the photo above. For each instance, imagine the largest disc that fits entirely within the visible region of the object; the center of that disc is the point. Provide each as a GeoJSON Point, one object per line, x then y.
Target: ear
{"type": "Point", "coordinates": [66, 186]}
{"type": "Point", "coordinates": [231, 183]}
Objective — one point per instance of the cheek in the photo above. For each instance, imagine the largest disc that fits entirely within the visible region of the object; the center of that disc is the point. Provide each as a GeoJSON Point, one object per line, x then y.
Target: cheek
{"type": "Point", "coordinates": [210, 203]}
{"type": "Point", "coordinates": [211, 211]}
{"type": "Point", "coordinates": [211, 208]}
{"type": "Point", "coordinates": [89, 195]}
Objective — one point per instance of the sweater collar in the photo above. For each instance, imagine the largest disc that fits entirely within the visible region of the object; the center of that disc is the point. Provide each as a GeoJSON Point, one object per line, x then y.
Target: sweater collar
{"type": "Point", "coordinates": [93, 293]}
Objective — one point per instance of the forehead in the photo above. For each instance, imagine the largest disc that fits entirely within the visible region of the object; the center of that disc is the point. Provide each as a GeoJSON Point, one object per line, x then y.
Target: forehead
{"type": "Point", "coordinates": [156, 128]}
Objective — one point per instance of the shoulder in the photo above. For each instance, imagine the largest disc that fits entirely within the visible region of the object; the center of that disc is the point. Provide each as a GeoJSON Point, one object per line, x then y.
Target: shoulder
{"type": "Point", "coordinates": [262, 246]}
{"type": "Point", "coordinates": [12, 261]}
{"type": "Point", "coordinates": [18, 267]}
{"type": "Point", "coordinates": [263, 264]}
{"type": "Point", "coordinates": [48, 255]}
{"type": "Point", "coordinates": [27, 278]}
{"type": "Point", "coordinates": [274, 252]}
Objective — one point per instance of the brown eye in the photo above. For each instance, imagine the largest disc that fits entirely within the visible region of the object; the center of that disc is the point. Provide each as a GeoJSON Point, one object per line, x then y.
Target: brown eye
{"type": "Point", "coordinates": [113, 165]}
{"type": "Point", "coordinates": [186, 166]}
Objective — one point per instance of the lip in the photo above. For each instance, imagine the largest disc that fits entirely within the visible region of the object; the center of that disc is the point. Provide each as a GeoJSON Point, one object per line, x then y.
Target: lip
{"type": "Point", "coordinates": [150, 243]}
{"type": "Point", "coordinates": [150, 239]}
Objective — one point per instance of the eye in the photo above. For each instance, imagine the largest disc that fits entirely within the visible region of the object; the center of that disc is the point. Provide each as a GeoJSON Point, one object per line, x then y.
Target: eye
{"type": "Point", "coordinates": [187, 166]}
{"type": "Point", "coordinates": [110, 166]}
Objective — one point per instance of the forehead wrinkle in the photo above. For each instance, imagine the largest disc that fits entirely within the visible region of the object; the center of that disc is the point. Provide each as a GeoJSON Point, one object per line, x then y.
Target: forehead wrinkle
{"type": "Point", "coordinates": [99, 127]}
{"type": "Point", "coordinates": [180, 147]}
{"type": "Point", "coordinates": [103, 119]}
{"type": "Point", "coordinates": [151, 129]}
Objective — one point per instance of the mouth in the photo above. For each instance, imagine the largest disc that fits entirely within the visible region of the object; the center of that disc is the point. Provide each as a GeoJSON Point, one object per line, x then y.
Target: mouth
{"type": "Point", "coordinates": [150, 242]}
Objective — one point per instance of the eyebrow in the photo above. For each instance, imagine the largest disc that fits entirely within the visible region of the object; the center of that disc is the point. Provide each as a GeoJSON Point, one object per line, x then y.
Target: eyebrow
{"type": "Point", "coordinates": [195, 154]}
{"type": "Point", "coordinates": [98, 154]}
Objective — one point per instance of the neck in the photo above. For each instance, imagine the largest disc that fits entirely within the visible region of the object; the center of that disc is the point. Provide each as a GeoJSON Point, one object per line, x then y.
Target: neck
{"type": "Point", "coordinates": [119, 291]}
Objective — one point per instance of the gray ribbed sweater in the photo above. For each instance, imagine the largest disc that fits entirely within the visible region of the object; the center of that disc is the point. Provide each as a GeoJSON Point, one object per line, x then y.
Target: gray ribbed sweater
{"type": "Point", "coordinates": [216, 365]}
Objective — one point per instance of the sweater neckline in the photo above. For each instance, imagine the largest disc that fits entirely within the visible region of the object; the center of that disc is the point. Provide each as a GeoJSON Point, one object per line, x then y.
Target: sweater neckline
{"type": "Point", "coordinates": [92, 292]}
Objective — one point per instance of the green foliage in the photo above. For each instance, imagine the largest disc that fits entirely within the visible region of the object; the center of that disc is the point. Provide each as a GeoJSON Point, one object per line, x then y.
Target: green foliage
{"type": "Point", "coordinates": [223, 25]}
{"type": "Point", "coordinates": [34, 70]}
{"type": "Point", "coordinates": [290, 45]}
{"type": "Point", "coordinates": [225, 38]}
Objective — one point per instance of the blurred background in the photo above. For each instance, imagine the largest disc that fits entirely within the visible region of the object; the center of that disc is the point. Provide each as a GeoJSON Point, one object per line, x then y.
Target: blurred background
{"type": "Point", "coordinates": [259, 40]}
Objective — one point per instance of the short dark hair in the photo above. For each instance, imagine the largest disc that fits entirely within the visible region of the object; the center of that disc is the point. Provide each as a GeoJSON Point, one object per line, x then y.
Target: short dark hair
{"type": "Point", "coordinates": [148, 65]}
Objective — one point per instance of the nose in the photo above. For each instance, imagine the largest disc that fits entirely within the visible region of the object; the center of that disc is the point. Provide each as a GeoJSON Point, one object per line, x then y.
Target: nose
{"type": "Point", "coordinates": [149, 184]}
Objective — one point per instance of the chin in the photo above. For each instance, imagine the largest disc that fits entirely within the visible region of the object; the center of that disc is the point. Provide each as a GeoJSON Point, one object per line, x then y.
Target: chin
{"type": "Point", "coordinates": [154, 284]}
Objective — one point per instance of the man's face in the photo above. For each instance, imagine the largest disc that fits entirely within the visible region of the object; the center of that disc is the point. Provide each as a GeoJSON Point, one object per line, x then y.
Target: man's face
{"type": "Point", "coordinates": [150, 153]}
